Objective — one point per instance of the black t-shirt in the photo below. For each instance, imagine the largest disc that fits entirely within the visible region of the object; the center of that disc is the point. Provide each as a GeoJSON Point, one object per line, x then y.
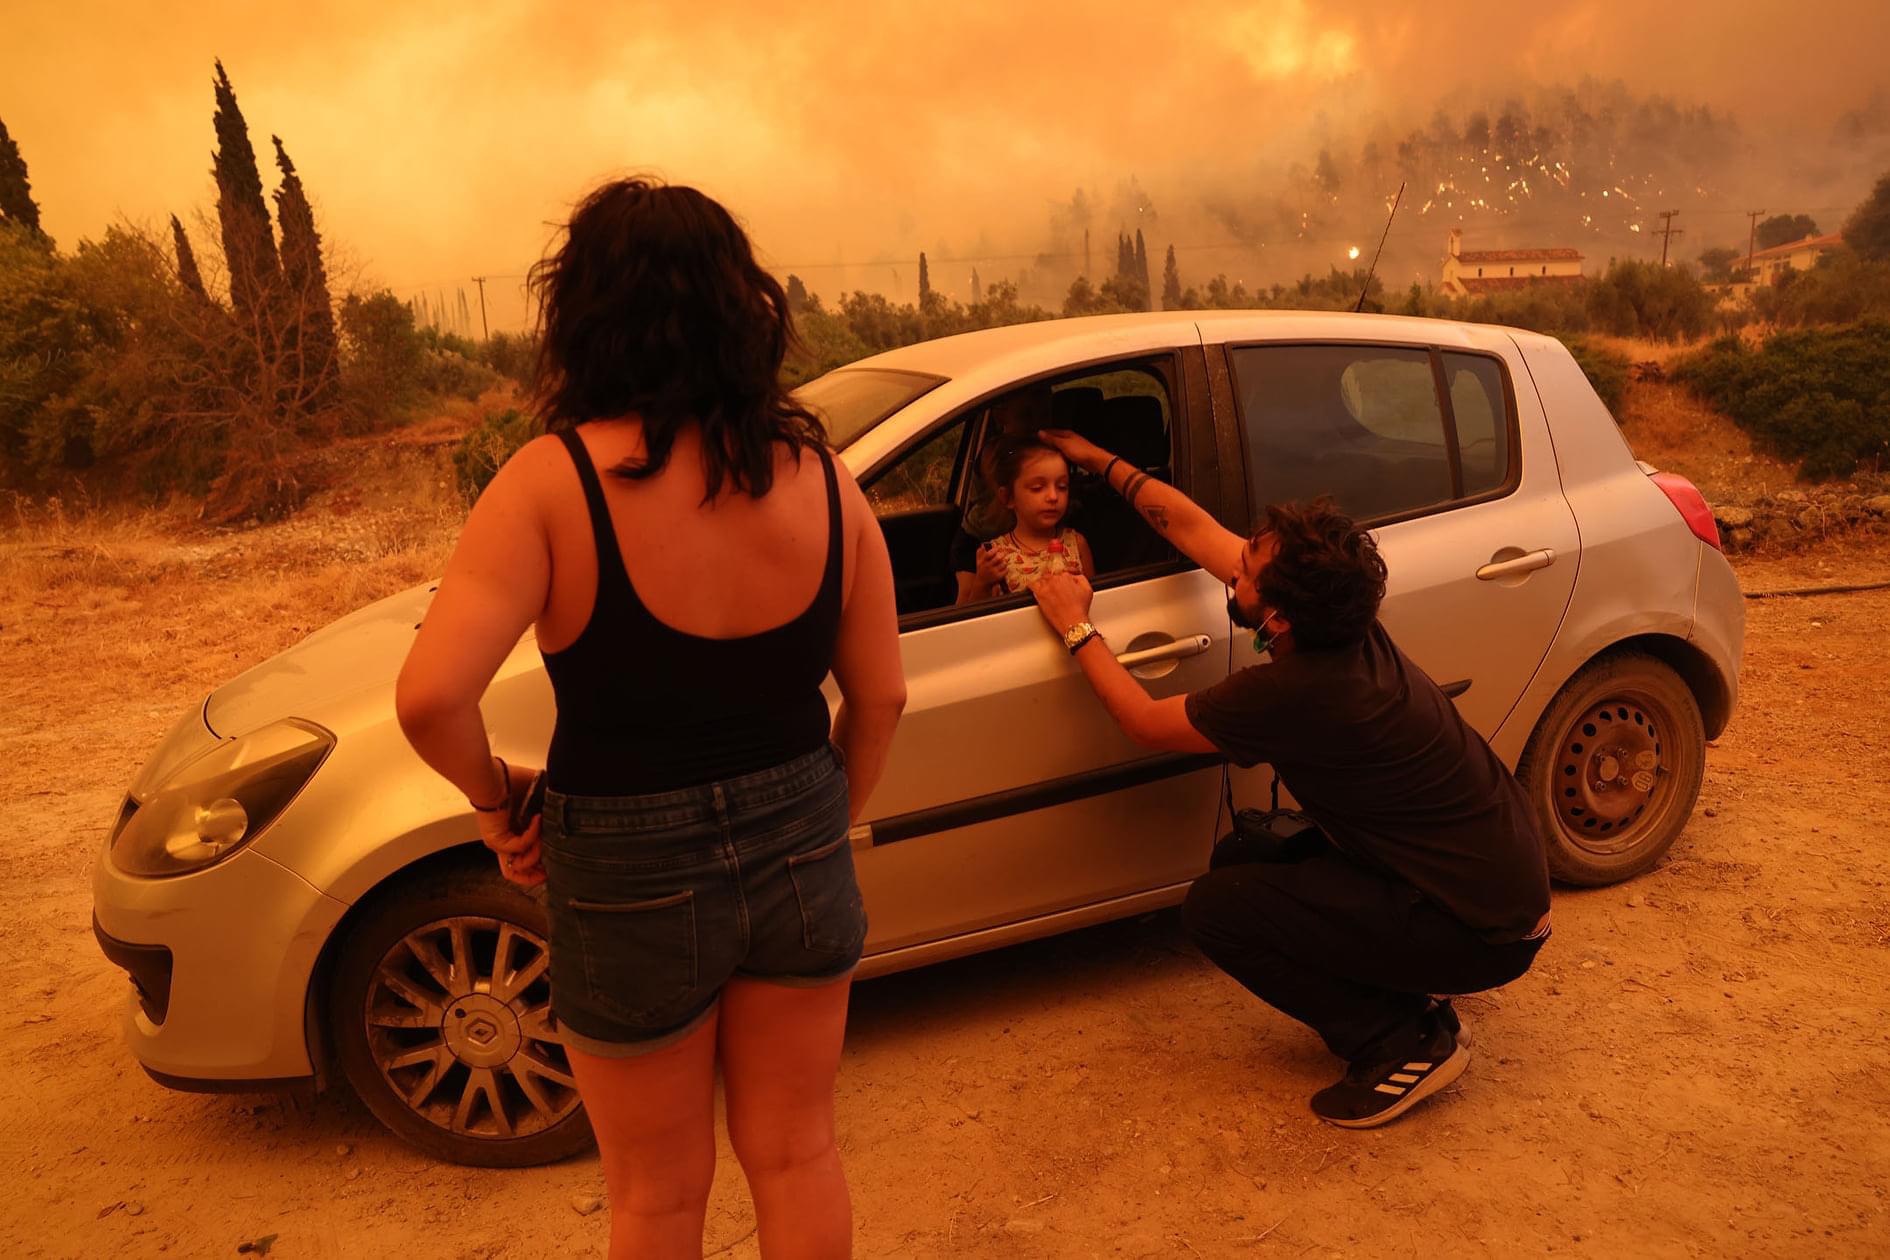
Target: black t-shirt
{"type": "Point", "coordinates": [1378, 756]}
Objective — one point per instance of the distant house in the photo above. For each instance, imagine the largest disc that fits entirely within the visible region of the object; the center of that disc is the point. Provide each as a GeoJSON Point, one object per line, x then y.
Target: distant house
{"type": "Point", "coordinates": [1470, 272]}
{"type": "Point", "coordinates": [1769, 264]}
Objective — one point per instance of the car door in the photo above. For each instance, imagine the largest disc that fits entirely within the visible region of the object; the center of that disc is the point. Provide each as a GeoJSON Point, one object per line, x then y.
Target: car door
{"type": "Point", "coordinates": [1450, 463]}
{"type": "Point", "coordinates": [1009, 794]}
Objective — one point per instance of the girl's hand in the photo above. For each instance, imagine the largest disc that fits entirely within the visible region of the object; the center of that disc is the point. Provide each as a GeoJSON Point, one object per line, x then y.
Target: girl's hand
{"type": "Point", "coordinates": [1079, 450]}
{"type": "Point", "coordinates": [990, 568]}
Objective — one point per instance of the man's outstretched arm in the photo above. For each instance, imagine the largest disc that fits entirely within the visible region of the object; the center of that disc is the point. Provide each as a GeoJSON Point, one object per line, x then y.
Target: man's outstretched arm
{"type": "Point", "coordinates": [1169, 512]}
{"type": "Point", "coordinates": [1064, 600]}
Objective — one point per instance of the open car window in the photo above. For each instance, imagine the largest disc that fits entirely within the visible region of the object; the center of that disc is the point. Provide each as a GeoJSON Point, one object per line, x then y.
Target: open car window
{"type": "Point", "coordinates": [936, 502]}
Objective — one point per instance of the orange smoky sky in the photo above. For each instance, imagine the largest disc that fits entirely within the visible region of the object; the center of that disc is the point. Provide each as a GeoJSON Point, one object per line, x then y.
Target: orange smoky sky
{"type": "Point", "coordinates": [439, 139]}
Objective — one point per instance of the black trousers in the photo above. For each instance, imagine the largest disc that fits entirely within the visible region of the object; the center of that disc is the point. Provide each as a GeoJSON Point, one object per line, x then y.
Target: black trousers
{"type": "Point", "coordinates": [1348, 950]}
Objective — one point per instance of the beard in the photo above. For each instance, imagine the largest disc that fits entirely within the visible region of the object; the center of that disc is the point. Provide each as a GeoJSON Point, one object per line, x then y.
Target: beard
{"type": "Point", "coordinates": [1238, 615]}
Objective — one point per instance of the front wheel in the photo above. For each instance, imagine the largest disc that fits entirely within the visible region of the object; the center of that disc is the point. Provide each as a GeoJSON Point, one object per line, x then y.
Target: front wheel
{"type": "Point", "coordinates": [441, 1010]}
{"type": "Point", "coordinates": [1614, 767]}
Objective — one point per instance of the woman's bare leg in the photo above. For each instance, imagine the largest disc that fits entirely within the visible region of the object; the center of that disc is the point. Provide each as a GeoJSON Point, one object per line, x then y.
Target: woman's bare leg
{"type": "Point", "coordinates": [780, 1053]}
{"type": "Point", "coordinates": [654, 1115]}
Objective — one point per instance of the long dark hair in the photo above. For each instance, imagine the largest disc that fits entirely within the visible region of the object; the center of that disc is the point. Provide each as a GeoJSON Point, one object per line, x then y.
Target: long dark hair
{"type": "Point", "coordinates": [1327, 578]}
{"type": "Point", "coordinates": [653, 303]}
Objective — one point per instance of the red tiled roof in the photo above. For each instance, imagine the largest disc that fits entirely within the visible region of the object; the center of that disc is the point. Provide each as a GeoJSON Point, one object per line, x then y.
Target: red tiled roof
{"type": "Point", "coordinates": [1497, 284]}
{"type": "Point", "coordinates": [1830, 240]}
{"type": "Point", "coordinates": [1558, 254]}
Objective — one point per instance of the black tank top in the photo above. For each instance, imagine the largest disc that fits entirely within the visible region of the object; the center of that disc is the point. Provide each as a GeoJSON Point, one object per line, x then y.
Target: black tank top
{"type": "Point", "coordinates": [644, 707]}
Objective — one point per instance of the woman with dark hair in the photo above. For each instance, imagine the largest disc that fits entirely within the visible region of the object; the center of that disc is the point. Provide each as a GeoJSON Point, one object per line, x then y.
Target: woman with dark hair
{"type": "Point", "coordinates": [689, 604]}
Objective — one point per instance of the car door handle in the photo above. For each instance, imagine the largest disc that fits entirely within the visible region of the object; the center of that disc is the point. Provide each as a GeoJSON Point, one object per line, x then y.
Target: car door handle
{"type": "Point", "coordinates": [1187, 645]}
{"type": "Point", "coordinates": [1516, 566]}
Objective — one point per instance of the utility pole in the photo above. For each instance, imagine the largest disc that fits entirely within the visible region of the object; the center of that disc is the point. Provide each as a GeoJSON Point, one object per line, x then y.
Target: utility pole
{"type": "Point", "coordinates": [486, 333]}
{"type": "Point", "coordinates": [1752, 236]}
{"type": "Point", "coordinates": [1667, 232]}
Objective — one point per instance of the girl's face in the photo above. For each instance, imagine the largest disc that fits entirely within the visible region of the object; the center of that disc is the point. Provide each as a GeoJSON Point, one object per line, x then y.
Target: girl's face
{"type": "Point", "coordinates": [1041, 493]}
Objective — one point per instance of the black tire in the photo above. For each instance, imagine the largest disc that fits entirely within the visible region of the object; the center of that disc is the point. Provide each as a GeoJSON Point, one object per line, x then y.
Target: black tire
{"type": "Point", "coordinates": [1614, 768]}
{"type": "Point", "coordinates": [420, 971]}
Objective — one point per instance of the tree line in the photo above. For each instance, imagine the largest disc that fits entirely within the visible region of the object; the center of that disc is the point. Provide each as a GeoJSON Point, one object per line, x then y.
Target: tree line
{"type": "Point", "coordinates": [208, 357]}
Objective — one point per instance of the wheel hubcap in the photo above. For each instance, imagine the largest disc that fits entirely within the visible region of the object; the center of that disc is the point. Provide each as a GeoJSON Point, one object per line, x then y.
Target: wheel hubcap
{"type": "Point", "coordinates": [1610, 773]}
{"type": "Point", "coordinates": [458, 1021]}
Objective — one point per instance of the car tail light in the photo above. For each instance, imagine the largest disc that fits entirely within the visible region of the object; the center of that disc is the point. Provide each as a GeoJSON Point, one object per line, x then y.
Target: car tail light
{"type": "Point", "coordinates": [1692, 505]}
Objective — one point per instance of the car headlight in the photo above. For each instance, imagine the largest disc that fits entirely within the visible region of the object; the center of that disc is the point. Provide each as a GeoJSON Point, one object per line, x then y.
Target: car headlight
{"type": "Point", "coordinates": [214, 804]}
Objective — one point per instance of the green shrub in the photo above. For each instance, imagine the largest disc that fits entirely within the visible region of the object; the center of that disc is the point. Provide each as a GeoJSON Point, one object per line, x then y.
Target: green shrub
{"type": "Point", "coordinates": [511, 355]}
{"type": "Point", "coordinates": [1644, 299]}
{"type": "Point", "coordinates": [484, 450]}
{"type": "Point", "coordinates": [1817, 395]}
{"type": "Point", "coordinates": [1841, 289]}
{"type": "Point", "coordinates": [451, 374]}
{"type": "Point", "coordinates": [1606, 370]}
{"type": "Point", "coordinates": [1556, 308]}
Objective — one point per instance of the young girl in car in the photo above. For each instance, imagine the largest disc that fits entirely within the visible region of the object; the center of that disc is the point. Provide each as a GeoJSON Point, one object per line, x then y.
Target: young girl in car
{"type": "Point", "coordinates": [1031, 480]}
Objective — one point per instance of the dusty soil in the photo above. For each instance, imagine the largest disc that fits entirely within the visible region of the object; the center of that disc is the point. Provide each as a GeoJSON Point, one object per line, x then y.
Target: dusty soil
{"type": "Point", "coordinates": [1695, 1066]}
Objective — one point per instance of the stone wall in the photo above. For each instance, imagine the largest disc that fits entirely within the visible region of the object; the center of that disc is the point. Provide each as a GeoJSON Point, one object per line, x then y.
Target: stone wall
{"type": "Point", "coordinates": [1797, 517]}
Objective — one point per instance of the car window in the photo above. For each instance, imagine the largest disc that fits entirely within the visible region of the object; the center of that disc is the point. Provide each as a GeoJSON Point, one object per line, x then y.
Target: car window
{"type": "Point", "coordinates": [1482, 416]}
{"type": "Point", "coordinates": [1362, 424]}
{"type": "Point", "coordinates": [922, 479]}
{"type": "Point", "coordinates": [937, 503]}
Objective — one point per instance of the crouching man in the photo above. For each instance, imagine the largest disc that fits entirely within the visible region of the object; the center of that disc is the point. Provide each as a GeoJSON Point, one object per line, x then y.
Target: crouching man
{"type": "Point", "coordinates": [1427, 874]}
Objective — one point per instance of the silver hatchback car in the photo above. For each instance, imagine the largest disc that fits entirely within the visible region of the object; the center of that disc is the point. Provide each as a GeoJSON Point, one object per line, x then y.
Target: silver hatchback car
{"type": "Point", "coordinates": [294, 894]}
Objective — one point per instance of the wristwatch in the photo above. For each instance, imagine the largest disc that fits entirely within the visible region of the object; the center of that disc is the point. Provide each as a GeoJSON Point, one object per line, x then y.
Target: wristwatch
{"type": "Point", "coordinates": [1079, 634]}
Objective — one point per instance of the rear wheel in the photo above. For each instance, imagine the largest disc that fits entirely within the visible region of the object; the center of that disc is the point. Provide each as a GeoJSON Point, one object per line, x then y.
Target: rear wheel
{"type": "Point", "coordinates": [1614, 768]}
{"type": "Point", "coordinates": [441, 1010]}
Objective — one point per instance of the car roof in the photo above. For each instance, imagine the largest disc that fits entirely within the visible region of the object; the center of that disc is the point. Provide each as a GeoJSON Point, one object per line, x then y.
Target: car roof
{"type": "Point", "coordinates": [964, 353]}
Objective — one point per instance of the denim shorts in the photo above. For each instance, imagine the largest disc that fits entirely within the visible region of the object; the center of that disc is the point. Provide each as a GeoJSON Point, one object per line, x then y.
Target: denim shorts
{"type": "Point", "coordinates": [656, 900]}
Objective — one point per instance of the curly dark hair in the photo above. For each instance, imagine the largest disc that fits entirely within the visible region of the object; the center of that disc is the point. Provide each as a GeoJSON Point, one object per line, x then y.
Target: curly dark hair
{"type": "Point", "coordinates": [653, 304]}
{"type": "Point", "coordinates": [1327, 578]}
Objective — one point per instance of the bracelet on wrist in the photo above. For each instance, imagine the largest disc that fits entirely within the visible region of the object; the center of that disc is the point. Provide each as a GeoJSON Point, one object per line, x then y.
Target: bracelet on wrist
{"type": "Point", "coordinates": [505, 790]}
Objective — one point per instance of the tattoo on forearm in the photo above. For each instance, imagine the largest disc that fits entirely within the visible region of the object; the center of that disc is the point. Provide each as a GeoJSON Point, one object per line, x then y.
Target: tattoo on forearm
{"type": "Point", "coordinates": [1133, 486]}
{"type": "Point", "coordinates": [1157, 516]}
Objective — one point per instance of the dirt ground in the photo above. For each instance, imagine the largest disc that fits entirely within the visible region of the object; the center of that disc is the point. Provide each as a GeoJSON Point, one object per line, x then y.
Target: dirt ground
{"type": "Point", "coordinates": [1694, 1068]}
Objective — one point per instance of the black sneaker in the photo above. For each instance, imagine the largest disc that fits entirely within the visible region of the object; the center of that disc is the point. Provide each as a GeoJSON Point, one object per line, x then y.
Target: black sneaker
{"type": "Point", "coordinates": [1375, 1093]}
{"type": "Point", "coordinates": [1447, 1014]}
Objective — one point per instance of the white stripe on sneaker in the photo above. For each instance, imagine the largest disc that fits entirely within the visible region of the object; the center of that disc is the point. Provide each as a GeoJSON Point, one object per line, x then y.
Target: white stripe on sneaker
{"type": "Point", "coordinates": [1404, 1078]}
{"type": "Point", "coordinates": [1417, 1067]}
{"type": "Point", "coordinates": [1393, 1090]}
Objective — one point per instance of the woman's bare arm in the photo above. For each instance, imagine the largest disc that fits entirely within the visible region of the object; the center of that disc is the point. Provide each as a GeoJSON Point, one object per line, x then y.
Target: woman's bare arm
{"type": "Point", "coordinates": [494, 587]}
{"type": "Point", "coordinates": [866, 660]}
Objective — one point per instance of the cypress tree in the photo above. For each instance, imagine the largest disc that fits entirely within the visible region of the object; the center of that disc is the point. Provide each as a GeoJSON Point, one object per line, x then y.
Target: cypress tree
{"type": "Point", "coordinates": [313, 311]}
{"type": "Point", "coordinates": [16, 191]}
{"type": "Point", "coordinates": [187, 272]}
{"type": "Point", "coordinates": [1125, 258]}
{"type": "Point", "coordinates": [1141, 268]}
{"type": "Point", "coordinates": [1171, 282]}
{"type": "Point", "coordinates": [977, 289]}
{"type": "Point", "coordinates": [248, 244]}
{"type": "Point", "coordinates": [925, 280]}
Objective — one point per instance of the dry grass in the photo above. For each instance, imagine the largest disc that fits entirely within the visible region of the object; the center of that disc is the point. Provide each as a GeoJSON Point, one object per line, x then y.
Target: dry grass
{"type": "Point", "coordinates": [1671, 429]}
{"type": "Point", "coordinates": [119, 602]}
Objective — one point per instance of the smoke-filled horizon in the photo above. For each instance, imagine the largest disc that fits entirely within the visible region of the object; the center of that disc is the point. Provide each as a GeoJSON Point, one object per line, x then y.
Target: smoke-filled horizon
{"type": "Point", "coordinates": [1262, 140]}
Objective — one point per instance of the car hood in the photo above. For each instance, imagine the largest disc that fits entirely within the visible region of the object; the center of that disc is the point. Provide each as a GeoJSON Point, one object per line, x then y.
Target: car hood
{"type": "Point", "coordinates": [364, 649]}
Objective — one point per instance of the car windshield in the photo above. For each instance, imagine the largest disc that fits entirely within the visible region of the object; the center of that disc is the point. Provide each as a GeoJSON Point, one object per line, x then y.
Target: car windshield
{"type": "Point", "coordinates": [853, 400]}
